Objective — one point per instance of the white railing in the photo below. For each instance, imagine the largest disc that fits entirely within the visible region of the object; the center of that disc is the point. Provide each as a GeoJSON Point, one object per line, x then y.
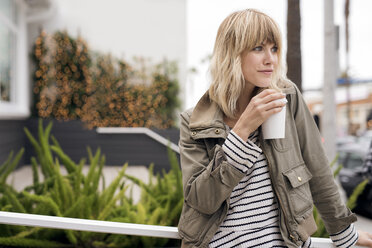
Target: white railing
{"type": "Point", "coordinates": [139, 130]}
{"type": "Point", "coordinates": [88, 225]}
{"type": "Point", "coordinates": [107, 226]}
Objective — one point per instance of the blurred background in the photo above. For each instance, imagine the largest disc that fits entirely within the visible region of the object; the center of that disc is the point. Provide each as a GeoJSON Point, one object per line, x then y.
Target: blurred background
{"type": "Point", "coordinates": [88, 65]}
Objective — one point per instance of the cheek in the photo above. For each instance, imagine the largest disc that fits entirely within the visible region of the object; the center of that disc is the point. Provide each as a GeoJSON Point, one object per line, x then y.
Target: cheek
{"type": "Point", "coordinates": [276, 61]}
{"type": "Point", "coordinates": [248, 66]}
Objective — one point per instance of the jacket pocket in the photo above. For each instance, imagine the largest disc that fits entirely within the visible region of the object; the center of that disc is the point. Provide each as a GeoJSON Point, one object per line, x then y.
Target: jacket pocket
{"type": "Point", "coordinates": [191, 224]}
{"type": "Point", "coordinates": [297, 184]}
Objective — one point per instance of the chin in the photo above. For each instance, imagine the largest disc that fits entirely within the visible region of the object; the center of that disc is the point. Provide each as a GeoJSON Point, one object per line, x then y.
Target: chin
{"type": "Point", "coordinates": [263, 84]}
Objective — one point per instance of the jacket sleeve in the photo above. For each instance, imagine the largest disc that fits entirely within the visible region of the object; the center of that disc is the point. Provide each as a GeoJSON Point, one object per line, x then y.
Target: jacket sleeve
{"type": "Point", "coordinates": [207, 183]}
{"type": "Point", "coordinates": [325, 193]}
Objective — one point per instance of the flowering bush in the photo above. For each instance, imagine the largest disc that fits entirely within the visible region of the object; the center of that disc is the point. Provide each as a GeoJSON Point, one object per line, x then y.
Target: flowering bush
{"type": "Point", "coordinates": [73, 83]}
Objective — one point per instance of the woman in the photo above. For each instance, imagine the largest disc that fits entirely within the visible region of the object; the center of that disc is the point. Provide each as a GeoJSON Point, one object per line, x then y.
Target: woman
{"type": "Point", "coordinates": [241, 190]}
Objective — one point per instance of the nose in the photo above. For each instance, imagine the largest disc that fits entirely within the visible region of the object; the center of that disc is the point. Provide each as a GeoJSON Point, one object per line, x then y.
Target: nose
{"type": "Point", "coordinates": [269, 57]}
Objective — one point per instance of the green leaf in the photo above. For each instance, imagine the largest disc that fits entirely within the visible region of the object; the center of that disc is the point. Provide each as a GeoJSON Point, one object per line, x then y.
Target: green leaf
{"type": "Point", "coordinates": [110, 205]}
{"type": "Point", "coordinates": [65, 160]}
{"type": "Point", "coordinates": [352, 201]}
{"type": "Point", "coordinates": [93, 164]}
{"type": "Point", "coordinates": [108, 193]}
{"type": "Point", "coordinates": [13, 199]}
{"type": "Point", "coordinates": [45, 200]}
{"type": "Point", "coordinates": [337, 171]}
{"type": "Point", "coordinates": [25, 242]}
{"type": "Point", "coordinates": [4, 166]}
{"type": "Point", "coordinates": [12, 165]}
{"type": "Point", "coordinates": [35, 173]}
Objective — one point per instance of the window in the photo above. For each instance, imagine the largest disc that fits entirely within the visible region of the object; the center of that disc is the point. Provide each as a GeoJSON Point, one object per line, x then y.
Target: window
{"type": "Point", "coordinates": [354, 161]}
{"type": "Point", "coordinates": [14, 75]}
{"type": "Point", "coordinates": [7, 50]}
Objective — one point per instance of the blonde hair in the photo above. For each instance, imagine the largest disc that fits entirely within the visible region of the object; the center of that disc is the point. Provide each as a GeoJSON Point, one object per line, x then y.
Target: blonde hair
{"type": "Point", "coordinates": [240, 31]}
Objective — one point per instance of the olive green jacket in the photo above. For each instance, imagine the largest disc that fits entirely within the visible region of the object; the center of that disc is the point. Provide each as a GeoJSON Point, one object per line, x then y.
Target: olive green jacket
{"type": "Point", "coordinates": [299, 171]}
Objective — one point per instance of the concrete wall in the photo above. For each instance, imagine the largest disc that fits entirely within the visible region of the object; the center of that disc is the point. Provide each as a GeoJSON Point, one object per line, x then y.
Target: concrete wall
{"type": "Point", "coordinates": [12, 138]}
{"type": "Point", "coordinates": [74, 138]}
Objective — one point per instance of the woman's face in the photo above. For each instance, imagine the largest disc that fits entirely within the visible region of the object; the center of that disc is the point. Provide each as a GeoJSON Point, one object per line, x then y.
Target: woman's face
{"type": "Point", "coordinates": [259, 64]}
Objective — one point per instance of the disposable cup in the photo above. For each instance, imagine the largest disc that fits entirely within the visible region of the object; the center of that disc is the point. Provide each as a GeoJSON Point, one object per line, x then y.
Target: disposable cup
{"type": "Point", "coordinates": [274, 126]}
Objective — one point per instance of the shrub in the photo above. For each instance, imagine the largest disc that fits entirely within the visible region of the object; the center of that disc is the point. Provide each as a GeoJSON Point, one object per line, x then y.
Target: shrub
{"type": "Point", "coordinates": [71, 82]}
{"type": "Point", "coordinates": [80, 196]}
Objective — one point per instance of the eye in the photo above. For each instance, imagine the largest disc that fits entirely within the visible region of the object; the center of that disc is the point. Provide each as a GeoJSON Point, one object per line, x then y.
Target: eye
{"type": "Point", "coordinates": [258, 48]}
{"type": "Point", "coordinates": [274, 49]}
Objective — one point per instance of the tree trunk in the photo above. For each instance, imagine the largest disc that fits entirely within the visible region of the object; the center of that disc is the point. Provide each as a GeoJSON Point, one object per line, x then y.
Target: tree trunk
{"type": "Point", "coordinates": [294, 43]}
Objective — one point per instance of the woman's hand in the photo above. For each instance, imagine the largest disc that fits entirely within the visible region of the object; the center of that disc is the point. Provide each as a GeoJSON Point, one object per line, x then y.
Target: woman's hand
{"type": "Point", "coordinates": [365, 239]}
{"type": "Point", "coordinates": [260, 107]}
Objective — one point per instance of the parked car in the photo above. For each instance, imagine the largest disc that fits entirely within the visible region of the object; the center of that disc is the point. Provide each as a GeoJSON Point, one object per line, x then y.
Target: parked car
{"type": "Point", "coordinates": [352, 156]}
{"type": "Point", "coordinates": [365, 139]}
{"type": "Point", "coordinates": [346, 140]}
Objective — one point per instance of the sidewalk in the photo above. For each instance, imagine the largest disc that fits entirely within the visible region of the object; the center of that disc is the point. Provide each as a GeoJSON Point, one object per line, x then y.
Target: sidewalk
{"type": "Point", "coordinates": [364, 224]}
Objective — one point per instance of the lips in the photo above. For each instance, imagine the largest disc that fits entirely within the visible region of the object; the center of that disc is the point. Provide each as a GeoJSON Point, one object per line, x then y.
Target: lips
{"type": "Point", "coordinates": [266, 72]}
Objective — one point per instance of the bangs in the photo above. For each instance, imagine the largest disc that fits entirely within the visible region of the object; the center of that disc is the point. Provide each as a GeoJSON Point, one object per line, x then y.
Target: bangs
{"type": "Point", "coordinates": [259, 30]}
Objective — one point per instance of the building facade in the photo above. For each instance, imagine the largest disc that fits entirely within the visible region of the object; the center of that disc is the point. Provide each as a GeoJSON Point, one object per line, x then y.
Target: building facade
{"type": "Point", "coordinates": [359, 103]}
{"type": "Point", "coordinates": [153, 29]}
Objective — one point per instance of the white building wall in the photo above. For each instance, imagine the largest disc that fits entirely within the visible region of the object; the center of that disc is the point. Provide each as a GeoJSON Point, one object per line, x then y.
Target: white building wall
{"type": "Point", "coordinates": [154, 29]}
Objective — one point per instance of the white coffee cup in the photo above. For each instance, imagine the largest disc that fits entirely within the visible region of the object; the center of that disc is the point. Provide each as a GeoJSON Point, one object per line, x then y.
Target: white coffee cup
{"type": "Point", "coordinates": [274, 126]}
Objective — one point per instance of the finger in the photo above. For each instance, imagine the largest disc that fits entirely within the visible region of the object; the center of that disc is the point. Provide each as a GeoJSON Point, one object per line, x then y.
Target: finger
{"type": "Point", "coordinates": [278, 103]}
{"type": "Point", "coordinates": [260, 101]}
{"type": "Point", "coordinates": [273, 97]}
{"type": "Point", "coordinates": [266, 92]}
{"type": "Point", "coordinates": [272, 111]}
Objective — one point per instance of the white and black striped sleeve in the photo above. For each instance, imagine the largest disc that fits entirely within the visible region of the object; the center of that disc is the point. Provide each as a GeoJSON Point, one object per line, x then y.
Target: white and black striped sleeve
{"type": "Point", "coordinates": [239, 153]}
{"type": "Point", "coordinates": [346, 238]}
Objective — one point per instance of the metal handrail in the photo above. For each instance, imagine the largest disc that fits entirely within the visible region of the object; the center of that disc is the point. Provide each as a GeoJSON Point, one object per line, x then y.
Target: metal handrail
{"type": "Point", "coordinates": [139, 130]}
{"type": "Point", "coordinates": [107, 226]}
{"type": "Point", "coordinates": [88, 225]}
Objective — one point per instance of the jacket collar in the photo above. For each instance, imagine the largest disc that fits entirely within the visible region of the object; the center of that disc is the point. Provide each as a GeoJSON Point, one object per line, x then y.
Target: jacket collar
{"type": "Point", "coordinates": [206, 120]}
{"type": "Point", "coordinates": [206, 114]}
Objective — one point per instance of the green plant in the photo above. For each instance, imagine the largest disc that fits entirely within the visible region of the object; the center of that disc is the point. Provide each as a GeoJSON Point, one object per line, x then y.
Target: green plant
{"type": "Point", "coordinates": [351, 202]}
{"type": "Point", "coordinates": [161, 201]}
{"type": "Point", "coordinates": [71, 82]}
{"type": "Point", "coordinates": [78, 195]}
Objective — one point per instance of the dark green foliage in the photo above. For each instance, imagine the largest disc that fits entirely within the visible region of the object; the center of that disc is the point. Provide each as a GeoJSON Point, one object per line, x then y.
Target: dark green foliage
{"type": "Point", "coordinates": [351, 203]}
{"type": "Point", "coordinates": [78, 195]}
{"type": "Point", "coordinates": [24, 242]}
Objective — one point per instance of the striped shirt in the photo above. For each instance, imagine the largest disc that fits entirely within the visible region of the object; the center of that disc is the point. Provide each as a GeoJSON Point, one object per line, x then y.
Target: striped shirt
{"type": "Point", "coordinates": [253, 217]}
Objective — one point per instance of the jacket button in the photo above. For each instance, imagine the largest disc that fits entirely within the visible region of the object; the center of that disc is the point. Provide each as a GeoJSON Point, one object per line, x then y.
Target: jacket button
{"type": "Point", "coordinates": [217, 131]}
{"type": "Point", "coordinates": [193, 133]}
{"type": "Point", "coordinates": [299, 179]}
